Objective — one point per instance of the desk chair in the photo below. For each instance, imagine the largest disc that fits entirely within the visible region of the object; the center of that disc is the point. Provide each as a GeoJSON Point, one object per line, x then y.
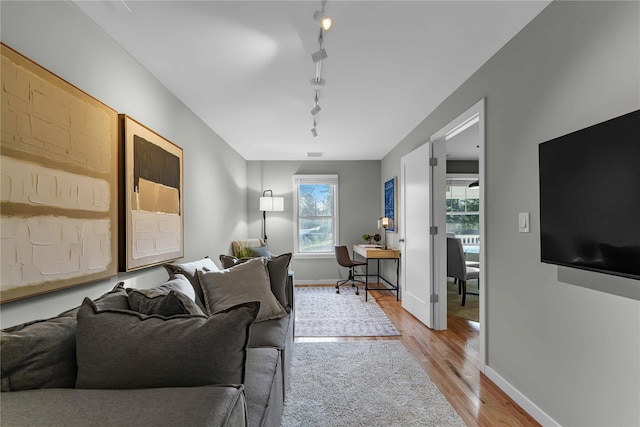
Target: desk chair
{"type": "Point", "coordinates": [343, 258]}
{"type": "Point", "coordinates": [458, 269]}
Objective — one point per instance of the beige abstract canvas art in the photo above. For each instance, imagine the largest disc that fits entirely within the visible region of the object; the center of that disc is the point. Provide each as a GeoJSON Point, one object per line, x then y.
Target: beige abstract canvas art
{"type": "Point", "coordinates": [59, 183]}
{"type": "Point", "coordinates": [153, 197]}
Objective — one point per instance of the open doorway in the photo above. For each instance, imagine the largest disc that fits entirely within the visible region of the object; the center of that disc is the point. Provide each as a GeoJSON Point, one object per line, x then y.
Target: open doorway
{"type": "Point", "coordinates": [464, 216]}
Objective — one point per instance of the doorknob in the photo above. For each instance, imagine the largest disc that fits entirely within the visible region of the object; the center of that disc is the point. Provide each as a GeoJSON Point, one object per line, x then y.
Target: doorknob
{"type": "Point", "coordinates": [401, 240]}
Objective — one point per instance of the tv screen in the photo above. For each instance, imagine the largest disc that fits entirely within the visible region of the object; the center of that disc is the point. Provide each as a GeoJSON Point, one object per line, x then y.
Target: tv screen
{"type": "Point", "coordinates": [590, 198]}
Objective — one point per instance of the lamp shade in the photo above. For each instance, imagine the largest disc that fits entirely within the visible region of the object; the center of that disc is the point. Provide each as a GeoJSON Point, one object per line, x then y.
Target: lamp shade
{"type": "Point", "coordinates": [385, 222]}
{"type": "Point", "coordinates": [271, 204]}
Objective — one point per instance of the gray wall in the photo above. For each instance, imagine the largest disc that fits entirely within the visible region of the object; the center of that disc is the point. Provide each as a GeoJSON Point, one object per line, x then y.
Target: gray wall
{"type": "Point", "coordinates": [360, 195]}
{"type": "Point", "coordinates": [58, 36]}
{"type": "Point", "coordinates": [572, 351]}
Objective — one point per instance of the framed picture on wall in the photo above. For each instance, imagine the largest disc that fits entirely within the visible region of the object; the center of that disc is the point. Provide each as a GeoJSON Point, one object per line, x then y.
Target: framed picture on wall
{"type": "Point", "coordinates": [390, 202]}
{"type": "Point", "coordinates": [153, 205]}
{"type": "Point", "coordinates": [59, 182]}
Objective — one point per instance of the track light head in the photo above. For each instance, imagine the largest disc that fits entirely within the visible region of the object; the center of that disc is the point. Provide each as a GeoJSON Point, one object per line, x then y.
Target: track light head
{"type": "Point", "coordinates": [314, 132]}
{"type": "Point", "coordinates": [315, 110]}
{"type": "Point", "coordinates": [324, 21]}
{"type": "Point", "coordinates": [319, 55]}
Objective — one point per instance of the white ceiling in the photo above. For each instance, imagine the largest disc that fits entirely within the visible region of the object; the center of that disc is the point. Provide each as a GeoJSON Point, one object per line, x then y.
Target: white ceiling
{"type": "Point", "coordinates": [244, 66]}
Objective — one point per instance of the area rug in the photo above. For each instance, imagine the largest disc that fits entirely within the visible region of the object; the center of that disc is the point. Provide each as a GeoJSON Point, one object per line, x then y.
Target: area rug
{"type": "Point", "coordinates": [320, 312]}
{"type": "Point", "coordinates": [471, 309]}
{"type": "Point", "coordinates": [362, 383]}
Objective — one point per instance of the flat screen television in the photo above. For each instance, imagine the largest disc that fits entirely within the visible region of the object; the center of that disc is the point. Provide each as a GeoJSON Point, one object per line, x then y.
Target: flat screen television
{"type": "Point", "coordinates": [590, 198]}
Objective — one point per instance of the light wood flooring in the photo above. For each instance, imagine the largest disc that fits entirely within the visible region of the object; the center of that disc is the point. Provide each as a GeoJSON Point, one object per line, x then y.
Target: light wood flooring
{"type": "Point", "coordinates": [450, 358]}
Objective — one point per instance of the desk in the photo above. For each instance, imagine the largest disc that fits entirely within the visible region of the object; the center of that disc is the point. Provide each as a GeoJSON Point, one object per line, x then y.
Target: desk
{"type": "Point", "coordinates": [378, 254]}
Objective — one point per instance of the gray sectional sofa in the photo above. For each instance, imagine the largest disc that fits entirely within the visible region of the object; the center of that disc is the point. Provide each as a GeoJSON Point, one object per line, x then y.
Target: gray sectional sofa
{"type": "Point", "coordinates": [197, 350]}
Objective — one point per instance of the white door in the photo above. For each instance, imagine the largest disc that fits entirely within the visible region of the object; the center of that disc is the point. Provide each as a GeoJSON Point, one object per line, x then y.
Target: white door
{"type": "Point", "coordinates": [419, 263]}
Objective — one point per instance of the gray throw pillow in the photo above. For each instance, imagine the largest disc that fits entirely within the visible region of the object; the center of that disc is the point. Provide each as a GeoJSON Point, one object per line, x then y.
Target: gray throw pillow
{"type": "Point", "coordinates": [190, 271]}
{"type": "Point", "coordinates": [41, 354]}
{"type": "Point", "coordinates": [178, 282]}
{"type": "Point", "coordinates": [278, 276]}
{"type": "Point", "coordinates": [119, 349]}
{"type": "Point", "coordinates": [229, 261]}
{"type": "Point", "coordinates": [160, 302]}
{"type": "Point", "coordinates": [248, 281]}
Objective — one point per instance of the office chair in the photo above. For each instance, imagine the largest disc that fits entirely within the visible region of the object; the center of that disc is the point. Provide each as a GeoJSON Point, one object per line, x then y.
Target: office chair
{"type": "Point", "coordinates": [457, 268]}
{"type": "Point", "coordinates": [343, 258]}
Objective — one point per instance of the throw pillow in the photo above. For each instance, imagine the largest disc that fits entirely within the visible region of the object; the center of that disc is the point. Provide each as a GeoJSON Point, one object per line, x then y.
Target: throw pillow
{"type": "Point", "coordinates": [189, 270]}
{"type": "Point", "coordinates": [262, 251]}
{"type": "Point", "coordinates": [229, 261]}
{"type": "Point", "coordinates": [161, 302]}
{"type": "Point", "coordinates": [278, 276]}
{"type": "Point", "coordinates": [40, 354]}
{"type": "Point", "coordinates": [248, 281]}
{"type": "Point", "coordinates": [120, 349]}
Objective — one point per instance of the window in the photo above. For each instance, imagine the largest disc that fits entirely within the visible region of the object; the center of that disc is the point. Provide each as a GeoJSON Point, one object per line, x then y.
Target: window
{"type": "Point", "coordinates": [316, 215]}
{"type": "Point", "coordinates": [463, 209]}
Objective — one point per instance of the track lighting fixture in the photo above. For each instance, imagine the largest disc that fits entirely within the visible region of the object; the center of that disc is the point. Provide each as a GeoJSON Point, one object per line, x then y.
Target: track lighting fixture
{"type": "Point", "coordinates": [319, 55]}
{"type": "Point", "coordinates": [324, 21]}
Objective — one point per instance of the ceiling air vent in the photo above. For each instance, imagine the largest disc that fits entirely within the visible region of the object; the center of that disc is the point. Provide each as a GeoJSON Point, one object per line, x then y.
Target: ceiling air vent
{"type": "Point", "coordinates": [314, 154]}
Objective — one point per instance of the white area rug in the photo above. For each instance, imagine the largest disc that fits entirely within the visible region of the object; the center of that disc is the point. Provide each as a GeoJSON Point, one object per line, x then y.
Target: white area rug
{"type": "Point", "coordinates": [320, 312]}
{"type": "Point", "coordinates": [362, 383]}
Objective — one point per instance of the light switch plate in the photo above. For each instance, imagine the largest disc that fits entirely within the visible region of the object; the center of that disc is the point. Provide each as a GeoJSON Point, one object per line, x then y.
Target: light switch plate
{"type": "Point", "coordinates": [523, 222]}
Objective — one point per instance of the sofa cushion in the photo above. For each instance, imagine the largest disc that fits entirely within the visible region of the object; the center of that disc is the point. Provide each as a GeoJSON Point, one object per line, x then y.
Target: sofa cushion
{"type": "Point", "coordinates": [42, 353]}
{"type": "Point", "coordinates": [190, 271]}
{"type": "Point", "coordinates": [118, 349]}
{"type": "Point", "coordinates": [162, 303]}
{"type": "Point", "coordinates": [248, 281]}
{"type": "Point", "coordinates": [279, 275]}
{"type": "Point", "coordinates": [159, 407]}
{"type": "Point", "coordinates": [263, 387]}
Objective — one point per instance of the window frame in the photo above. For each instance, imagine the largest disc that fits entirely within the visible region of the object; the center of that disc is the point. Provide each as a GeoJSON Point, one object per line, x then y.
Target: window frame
{"type": "Point", "coordinates": [328, 179]}
{"type": "Point", "coordinates": [463, 179]}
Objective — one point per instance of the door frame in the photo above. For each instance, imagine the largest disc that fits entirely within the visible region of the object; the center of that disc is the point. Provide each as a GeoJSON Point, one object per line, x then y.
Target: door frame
{"type": "Point", "coordinates": [477, 109]}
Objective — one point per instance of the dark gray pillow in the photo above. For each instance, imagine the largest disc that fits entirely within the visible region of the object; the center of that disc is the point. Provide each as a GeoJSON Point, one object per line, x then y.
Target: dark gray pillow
{"type": "Point", "coordinates": [41, 354]}
{"type": "Point", "coordinates": [278, 276]}
{"type": "Point", "coordinates": [190, 271]}
{"type": "Point", "coordinates": [159, 301]}
{"type": "Point", "coordinates": [229, 261]}
{"type": "Point", "coordinates": [119, 349]}
{"type": "Point", "coordinates": [248, 281]}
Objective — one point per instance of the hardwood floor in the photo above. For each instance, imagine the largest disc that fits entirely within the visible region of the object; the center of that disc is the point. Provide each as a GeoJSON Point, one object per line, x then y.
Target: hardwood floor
{"type": "Point", "coordinates": [450, 358]}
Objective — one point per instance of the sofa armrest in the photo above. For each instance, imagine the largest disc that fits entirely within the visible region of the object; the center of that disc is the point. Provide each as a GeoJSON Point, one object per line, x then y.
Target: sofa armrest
{"type": "Point", "coordinates": [290, 290]}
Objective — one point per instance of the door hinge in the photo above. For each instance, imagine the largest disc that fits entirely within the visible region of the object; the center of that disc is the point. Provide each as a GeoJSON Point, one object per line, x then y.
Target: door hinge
{"type": "Point", "coordinates": [433, 230]}
{"type": "Point", "coordinates": [433, 161]}
{"type": "Point", "coordinates": [434, 298]}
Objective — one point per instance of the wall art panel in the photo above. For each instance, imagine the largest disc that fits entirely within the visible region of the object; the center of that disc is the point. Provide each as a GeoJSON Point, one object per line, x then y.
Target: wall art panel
{"type": "Point", "coordinates": [58, 163]}
{"type": "Point", "coordinates": [153, 197]}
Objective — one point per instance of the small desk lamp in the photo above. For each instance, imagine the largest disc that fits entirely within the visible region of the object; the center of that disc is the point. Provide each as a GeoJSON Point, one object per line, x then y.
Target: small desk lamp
{"type": "Point", "coordinates": [385, 222]}
{"type": "Point", "coordinates": [270, 204]}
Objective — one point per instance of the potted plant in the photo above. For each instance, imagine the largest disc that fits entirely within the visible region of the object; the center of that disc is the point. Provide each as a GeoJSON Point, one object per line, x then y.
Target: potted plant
{"type": "Point", "coordinates": [367, 238]}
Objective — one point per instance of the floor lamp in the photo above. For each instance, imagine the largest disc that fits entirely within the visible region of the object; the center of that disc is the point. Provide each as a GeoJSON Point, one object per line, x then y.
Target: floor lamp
{"type": "Point", "coordinates": [384, 223]}
{"type": "Point", "coordinates": [269, 204]}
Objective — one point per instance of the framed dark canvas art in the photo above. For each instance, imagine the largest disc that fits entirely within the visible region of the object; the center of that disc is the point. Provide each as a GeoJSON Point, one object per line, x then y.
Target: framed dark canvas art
{"type": "Point", "coordinates": [153, 205]}
{"type": "Point", "coordinates": [59, 182]}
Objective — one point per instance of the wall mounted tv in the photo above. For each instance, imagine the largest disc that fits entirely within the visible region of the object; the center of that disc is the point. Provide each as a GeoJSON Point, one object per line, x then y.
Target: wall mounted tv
{"type": "Point", "coordinates": [590, 198]}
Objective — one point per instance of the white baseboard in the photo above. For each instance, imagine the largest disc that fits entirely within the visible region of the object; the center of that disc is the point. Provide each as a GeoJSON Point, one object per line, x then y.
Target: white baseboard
{"type": "Point", "coordinates": [522, 400]}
